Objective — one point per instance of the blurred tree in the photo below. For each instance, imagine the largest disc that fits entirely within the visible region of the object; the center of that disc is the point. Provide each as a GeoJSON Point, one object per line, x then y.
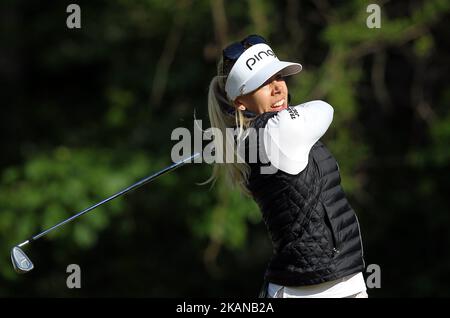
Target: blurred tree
{"type": "Point", "coordinates": [89, 111]}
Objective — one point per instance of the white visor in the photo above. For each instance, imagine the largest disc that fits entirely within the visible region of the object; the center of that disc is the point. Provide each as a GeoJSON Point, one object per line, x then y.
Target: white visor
{"type": "Point", "coordinates": [253, 68]}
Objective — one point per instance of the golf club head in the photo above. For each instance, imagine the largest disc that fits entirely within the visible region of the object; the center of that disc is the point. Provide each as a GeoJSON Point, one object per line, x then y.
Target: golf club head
{"type": "Point", "coordinates": [20, 261]}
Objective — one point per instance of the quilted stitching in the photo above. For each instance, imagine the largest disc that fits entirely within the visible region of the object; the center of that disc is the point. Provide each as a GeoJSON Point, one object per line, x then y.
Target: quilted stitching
{"type": "Point", "coordinates": [295, 219]}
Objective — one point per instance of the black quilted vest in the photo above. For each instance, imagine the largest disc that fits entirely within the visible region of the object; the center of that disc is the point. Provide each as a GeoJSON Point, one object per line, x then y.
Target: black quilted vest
{"type": "Point", "coordinates": [314, 230]}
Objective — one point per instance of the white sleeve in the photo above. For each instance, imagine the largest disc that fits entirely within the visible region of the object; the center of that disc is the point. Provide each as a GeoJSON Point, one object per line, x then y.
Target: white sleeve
{"type": "Point", "coordinates": [291, 133]}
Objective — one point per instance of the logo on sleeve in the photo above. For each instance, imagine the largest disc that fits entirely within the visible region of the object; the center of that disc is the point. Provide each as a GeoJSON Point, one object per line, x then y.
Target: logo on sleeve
{"type": "Point", "coordinates": [293, 112]}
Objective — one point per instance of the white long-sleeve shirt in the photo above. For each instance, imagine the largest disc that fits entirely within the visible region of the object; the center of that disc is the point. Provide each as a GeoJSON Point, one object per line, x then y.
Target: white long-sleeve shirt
{"type": "Point", "coordinates": [291, 133]}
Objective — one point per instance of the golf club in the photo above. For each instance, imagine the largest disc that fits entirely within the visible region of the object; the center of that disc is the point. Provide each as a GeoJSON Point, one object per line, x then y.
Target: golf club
{"type": "Point", "coordinates": [21, 262]}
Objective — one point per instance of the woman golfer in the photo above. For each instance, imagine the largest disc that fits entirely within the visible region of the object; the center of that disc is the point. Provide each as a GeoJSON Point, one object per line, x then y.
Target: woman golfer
{"type": "Point", "coordinates": [317, 246]}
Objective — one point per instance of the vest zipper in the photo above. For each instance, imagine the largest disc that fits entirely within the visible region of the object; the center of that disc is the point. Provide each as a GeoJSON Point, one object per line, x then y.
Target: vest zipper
{"type": "Point", "coordinates": [333, 234]}
{"type": "Point", "coordinates": [335, 244]}
{"type": "Point", "coordinates": [360, 240]}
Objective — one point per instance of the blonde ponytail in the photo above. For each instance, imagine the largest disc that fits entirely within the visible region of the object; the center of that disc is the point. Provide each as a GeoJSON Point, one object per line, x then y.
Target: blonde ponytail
{"type": "Point", "coordinates": [218, 102]}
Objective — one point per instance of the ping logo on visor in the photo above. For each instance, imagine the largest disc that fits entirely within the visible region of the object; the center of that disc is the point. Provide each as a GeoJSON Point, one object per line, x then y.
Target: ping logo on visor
{"type": "Point", "coordinates": [253, 68]}
{"type": "Point", "coordinates": [258, 57]}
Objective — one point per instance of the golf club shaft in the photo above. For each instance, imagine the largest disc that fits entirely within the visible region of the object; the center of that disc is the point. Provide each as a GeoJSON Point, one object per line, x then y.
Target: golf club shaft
{"type": "Point", "coordinates": [132, 187]}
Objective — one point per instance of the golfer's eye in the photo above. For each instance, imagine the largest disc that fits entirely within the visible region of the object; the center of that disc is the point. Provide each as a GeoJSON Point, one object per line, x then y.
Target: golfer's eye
{"type": "Point", "coordinates": [277, 77]}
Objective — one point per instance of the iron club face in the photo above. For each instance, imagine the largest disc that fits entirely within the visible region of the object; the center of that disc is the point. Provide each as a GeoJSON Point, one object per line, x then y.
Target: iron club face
{"type": "Point", "coordinates": [20, 261]}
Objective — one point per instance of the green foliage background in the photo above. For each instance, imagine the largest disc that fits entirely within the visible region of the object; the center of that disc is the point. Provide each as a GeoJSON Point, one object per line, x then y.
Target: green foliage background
{"type": "Point", "coordinates": [86, 112]}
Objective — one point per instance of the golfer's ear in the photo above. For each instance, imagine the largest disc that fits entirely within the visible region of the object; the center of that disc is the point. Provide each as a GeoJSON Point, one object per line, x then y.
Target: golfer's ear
{"type": "Point", "coordinates": [239, 104]}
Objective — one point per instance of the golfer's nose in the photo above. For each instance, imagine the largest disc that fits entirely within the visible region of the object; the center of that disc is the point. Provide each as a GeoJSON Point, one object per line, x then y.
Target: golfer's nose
{"type": "Point", "coordinates": [276, 85]}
